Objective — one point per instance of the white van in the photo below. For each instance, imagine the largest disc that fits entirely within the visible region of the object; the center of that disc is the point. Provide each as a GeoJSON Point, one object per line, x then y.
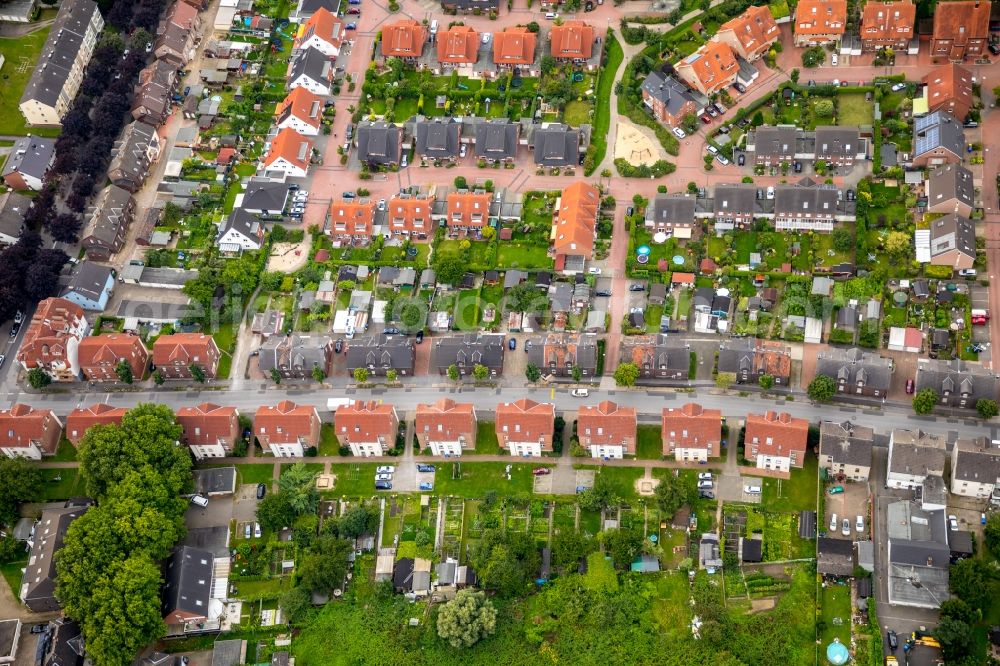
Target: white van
{"type": "Point", "coordinates": [199, 500]}
{"type": "Point", "coordinates": [434, 27]}
{"type": "Point", "coordinates": [751, 489]}
{"type": "Point", "coordinates": [551, 16]}
{"type": "Point", "coordinates": [581, 393]}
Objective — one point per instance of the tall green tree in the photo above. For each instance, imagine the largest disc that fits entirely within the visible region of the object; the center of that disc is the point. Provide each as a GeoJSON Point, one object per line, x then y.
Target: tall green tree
{"type": "Point", "coordinates": [626, 374]}
{"type": "Point", "coordinates": [38, 378]}
{"type": "Point", "coordinates": [822, 389]}
{"type": "Point", "coordinates": [325, 567]}
{"type": "Point", "coordinates": [197, 373]}
{"type": "Point", "coordinates": [671, 494]}
{"type": "Point", "coordinates": [20, 481]}
{"type": "Point", "coordinates": [925, 400]}
{"type": "Point", "coordinates": [298, 482]}
{"type": "Point", "coordinates": [124, 372]}
{"type": "Point", "coordinates": [987, 408]}
{"type": "Point", "coordinates": [532, 373]}
{"type": "Point", "coordinates": [600, 496]}
{"type": "Point", "coordinates": [466, 619]}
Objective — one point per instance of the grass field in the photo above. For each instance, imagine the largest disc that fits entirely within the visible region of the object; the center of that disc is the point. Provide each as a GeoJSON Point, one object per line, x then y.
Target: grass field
{"type": "Point", "coordinates": [514, 254]}
{"type": "Point", "coordinates": [20, 56]}
{"type": "Point", "coordinates": [12, 574]}
{"type": "Point", "coordinates": [835, 602]}
{"type": "Point", "coordinates": [355, 479]}
{"type": "Point", "coordinates": [255, 473]}
{"type": "Point", "coordinates": [486, 438]}
{"type": "Point", "coordinates": [70, 484]}
{"type": "Point", "coordinates": [328, 443]}
{"type": "Point", "coordinates": [649, 443]}
{"type": "Point", "coordinates": [622, 478]}
{"type": "Point", "coordinates": [853, 110]}
{"type": "Point", "coordinates": [478, 478]}
{"type": "Point", "coordinates": [65, 453]}
{"type": "Point", "coordinates": [795, 494]}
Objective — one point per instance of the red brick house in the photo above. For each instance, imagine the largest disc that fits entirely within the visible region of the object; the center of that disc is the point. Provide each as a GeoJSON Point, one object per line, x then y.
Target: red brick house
{"type": "Point", "coordinates": [287, 429]}
{"type": "Point", "coordinates": [607, 430]}
{"type": "Point", "coordinates": [691, 432]}
{"type": "Point", "coordinates": [887, 25]}
{"type": "Point", "coordinates": [209, 430]}
{"type": "Point", "coordinates": [776, 440]}
{"type": "Point", "coordinates": [51, 341]}
{"type": "Point", "coordinates": [525, 427]}
{"type": "Point", "coordinates": [961, 29]}
{"type": "Point", "coordinates": [446, 427]}
{"type": "Point", "coordinates": [82, 419]}
{"type": "Point", "coordinates": [26, 432]}
{"type": "Point", "coordinates": [750, 34]}
{"type": "Point", "coordinates": [173, 355]}
{"type": "Point", "coordinates": [99, 355]}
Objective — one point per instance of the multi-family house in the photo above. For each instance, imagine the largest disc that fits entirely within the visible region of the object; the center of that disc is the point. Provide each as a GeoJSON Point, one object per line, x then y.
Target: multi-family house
{"type": "Point", "coordinates": [574, 226]}
{"type": "Point", "coordinates": [240, 231]}
{"type": "Point", "coordinates": [437, 138]}
{"type": "Point", "coordinates": [773, 145]}
{"type": "Point", "coordinates": [380, 353]}
{"type": "Point", "coordinates": [152, 102]}
{"type": "Point", "coordinates": [468, 212]}
{"type": "Point", "coordinates": [949, 88]}
{"type": "Point", "coordinates": [525, 427]}
{"type": "Point", "coordinates": [295, 356]}
{"type": "Point", "coordinates": [458, 46]}
{"type": "Point", "coordinates": [13, 207]}
{"type": "Point", "coordinates": [749, 359]}
{"type": "Point", "coordinates": [403, 39]}
{"type": "Point", "coordinates": [99, 356]}
{"type": "Point", "coordinates": [136, 149]}
{"type": "Point", "coordinates": [710, 69]}
{"type": "Point", "coordinates": [956, 382]}
{"type": "Point", "coordinates": [289, 154]}
{"type": "Point", "coordinates": [938, 138]}
{"type": "Point", "coordinates": [806, 206]}
{"type": "Point", "coordinates": [775, 440]}
{"type": "Point", "coordinates": [301, 111]}
{"type": "Point", "coordinates": [379, 143]}
{"type": "Point", "coordinates": [950, 189]}
{"type": "Point", "coordinates": [856, 372]}
{"type": "Point", "coordinates": [573, 41]}
{"type": "Point", "coordinates": [446, 427]}
{"type": "Point", "coordinates": [975, 467]}
{"type": "Point", "coordinates": [845, 450]}
{"type": "Point", "coordinates": [57, 75]}
{"type": "Point", "coordinates": [819, 22]}
{"type": "Point", "coordinates": [52, 339]}
{"type": "Point", "coordinates": [287, 430]}
{"type": "Point", "coordinates": [953, 241]}
{"type": "Point", "coordinates": [209, 430]}
{"type": "Point", "coordinates": [607, 430]}
{"type": "Point", "coordinates": [82, 419]}
{"type": "Point", "coordinates": [188, 578]}
{"type": "Point", "coordinates": [323, 31]}
{"type": "Point", "coordinates": [750, 34]}
{"type": "Point", "coordinates": [668, 99]}
{"type": "Point", "coordinates": [887, 25]}
{"type": "Point", "coordinates": [557, 354]}
{"type": "Point", "coordinates": [367, 427]}
{"type": "Point", "coordinates": [514, 47]}
{"type": "Point", "coordinates": [91, 286]}
{"type": "Point", "coordinates": [177, 34]}
{"type": "Point", "coordinates": [913, 456]}
{"type": "Point", "coordinates": [733, 206]}
{"type": "Point", "coordinates": [467, 351]}
{"type": "Point", "coordinates": [262, 196]}
{"type": "Point", "coordinates": [672, 214]}
{"type": "Point", "coordinates": [175, 354]}
{"type": "Point", "coordinates": [961, 29]}
{"type": "Point", "coordinates": [691, 433]}
{"type": "Point", "coordinates": [312, 70]}
{"type": "Point", "coordinates": [410, 217]}
{"type": "Point", "coordinates": [26, 432]}
{"type": "Point", "coordinates": [838, 146]}
{"type": "Point", "coordinates": [351, 222]}
{"type": "Point", "coordinates": [104, 234]}
{"type": "Point", "coordinates": [656, 356]}
{"type": "Point", "coordinates": [497, 140]}
{"type": "Point", "coordinates": [38, 584]}
{"type": "Point", "coordinates": [28, 162]}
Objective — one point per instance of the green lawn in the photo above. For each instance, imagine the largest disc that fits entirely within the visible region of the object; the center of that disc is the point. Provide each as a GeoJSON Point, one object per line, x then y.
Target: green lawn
{"type": "Point", "coordinates": [255, 473]}
{"type": "Point", "coordinates": [649, 442]}
{"type": "Point", "coordinates": [12, 574]}
{"type": "Point", "coordinates": [486, 439]}
{"type": "Point", "coordinates": [795, 494]}
{"type": "Point", "coordinates": [622, 478]}
{"type": "Point", "coordinates": [255, 590]}
{"type": "Point", "coordinates": [353, 479]}
{"type": "Point", "coordinates": [515, 254]}
{"type": "Point", "coordinates": [853, 110]}
{"type": "Point", "coordinates": [653, 314]}
{"type": "Point", "coordinates": [577, 113]}
{"type": "Point", "coordinates": [835, 602]}
{"type": "Point", "coordinates": [328, 443]}
{"type": "Point", "coordinates": [477, 478]}
{"type": "Point", "coordinates": [20, 56]}
{"type": "Point", "coordinates": [602, 103]}
{"type": "Point", "coordinates": [65, 453]}
{"type": "Point", "coordinates": [70, 484]}
{"type": "Point", "coordinates": [477, 254]}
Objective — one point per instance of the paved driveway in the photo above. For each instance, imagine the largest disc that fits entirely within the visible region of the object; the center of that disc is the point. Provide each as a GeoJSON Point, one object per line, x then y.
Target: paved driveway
{"type": "Point", "coordinates": [218, 513]}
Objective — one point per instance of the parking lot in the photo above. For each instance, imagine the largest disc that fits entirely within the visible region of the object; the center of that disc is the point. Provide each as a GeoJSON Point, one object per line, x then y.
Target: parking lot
{"type": "Point", "coordinates": [730, 488]}
{"type": "Point", "coordinates": [218, 513]}
{"type": "Point", "coordinates": [850, 504]}
{"type": "Point", "coordinates": [979, 299]}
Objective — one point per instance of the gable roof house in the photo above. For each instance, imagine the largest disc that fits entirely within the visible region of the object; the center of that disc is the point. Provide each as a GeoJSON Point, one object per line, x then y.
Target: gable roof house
{"type": "Point", "coordinates": [918, 553]}
{"type": "Point", "coordinates": [99, 356]}
{"type": "Point", "coordinates": [468, 212]}
{"type": "Point", "coordinates": [457, 46]}
{"type": "Point", "coordinates": [58, 73]}
{"type": "Point", "coordinates": [403, 39]}
{"type": "Point", "coordinates": [887, 25]}
{"type": "Point", "coordinates": [154, 93]}
{"type": "Point", "coordinates": [187, 590]}
{"type": "Point", "coordinates": [287, 429]}
{"type": "Point", "coordinates": [289, 154]}
{"type": "Point", "coordinates": [750, 34]}
{"type": "Point", "coordinates": [174, 354]}
{"type": "Point", "coordinates": [323, 31]}
{"type": "Point", "coordinates": [669, 100]}
{"type": "Point", "coordinates": [806, 206]}
{"type": "Point", "coordinates": [556, 353]}
{"type": "Point", "coordinates": [772, 145]}
{"type": "Point", "coordinates": [938, 138]}
{"type": "Point", "coordinates": [379, 353]}
{"type": "Point", "coordinates": [672, 214]}
{"type": "Point", "coordinates": [497, 140]}
{"type": "Point", "coordinates": [691, 432]}
{"type": "Point", "coordinates": [262, 196]}
{"type": "Point", "coordinates": [834, 557]}
{"type": "Point", "coordinates": [209, 430]}
{"type": "Point", "coordinates": [38, 584]}
{"type": "Point", "coordinates": [28, 162]}
{"type": "Point", "coordinates": [240, 231]}
{"type": "Point", "coordinates": [177, 33]}
{"type": "Point", "coordinates": [855, 371]}
{"type": "Point", "coordinates": [750, 359]}
{"type": "Point", "coordinates": [953, 242]}
{"type": "Point", "coordinates": [574, 41]}
{"type": "Point", "coordinates": [819, 22]}
{"type": "Point", "coordinates": [656, 357]}
{"type": "Point", "coordinates": [838, 146]}
{"type": "Point", "coordinates": [776, 440]}
{"type": "Point", "coordinates": [710, 69]}
{"type": "Point", "coordinates": [975, 467]}
{"type": "Point", "coordinates": [301, 110]}
{"type": "Point", "coordinates": [961, 29]}
{"type": "Point", "coordinates": [52, 338]}
{"type": "Point", "coordinates": [574, 225]}
{"type": "Point", "coordinates": [368, 427]}
{"type": "Point", "coordinates": [304, 9]}
{"type": "Point", "coordinates": [957, 383]}
{"type": "Point", "coordinates": [311, 70]}
{"type": "Point", "coordinates": [845, 449]}
{"type": "Point", "coordinates": [515, 46]}
{"type": "Point", "coordinates": [13, 207]}
{"type": "Point", "coordinates": [294, 356]}
{"type": "Point", "coordinates": [557, 145]}
{"type": "Point", "coordinates": [136, 149]}
{"type": "Point", "coordinates": [437, 138]}
{"type": "Point", "coordinates": [913, 456]}
{"type": "Point", "coordinates": [446, 427]}
{"type": "Point", "coordinates": [351, 221]}
{"type": "Point", "coordinates": [410, 217]}
{"type": "Point", "coordinates": [949, 88]}
{"type": "Point", "coordinates": [26, 432]}
{"type": "Point", "coordinates": [82, 419]}
{"type": "Point", "coordinates": [732, 206]}
{"type": "Point", "coordinates": [525, 427]}
{"type": "Point", "coordinates": [607, 430]}
{"type": "Point", "coordinates": [379, 143]}
{"type": "Point", "coordinates": [467, 351]}
{"type": "Point", "coordinates": [104, 234]}
{"type": "Point", "coordinates": [950, 189]}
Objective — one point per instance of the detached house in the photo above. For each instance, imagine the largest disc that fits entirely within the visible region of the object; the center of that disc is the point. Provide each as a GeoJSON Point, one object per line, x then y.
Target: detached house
{"type": "Point", "coordinates": [574, 226]}
{"type": "Point", "coordinates": [819, 22]}
{"type": "Point", "coordinates": [525, 427]}
{"type": "Point", "coordinates": [975, 467]}
{"type": "Point", "coordinates": [410, 217]}
{"type": "Point", "coordinates": [845, 449]}
{"type": "Point", "coordinates": [887, 25]}
{"type": "Point", "coordinates": [104, 234]}
{"type": "Point", "coordinates": [669, 100]}
{"type": "Point", "coordinates": [953, 242]}
{"type": "Point", "coordinates": [776, 441]}
{"type": "Point", "coordinates": [950, 189]}
{"type": "Point", "coordinates": [173, 355]}
{"type": "Point", "coordinates": [301, 111]}
{"type": "Point", "coordinates": [961, 29]}
{"type": "Point", "coordinates": [289, 154]}
{"type": "Point", "coordinates": [82, 419]}
{"type": "Point", "coordinates": [379, 143]}
{"type": "Point", "coordinates": [750, 34]}
{"type": "Point", "coordinates": [855, 371]}
{"type": "Point", "coordinates": [607, 430]}
{"type": "Point", "coordinates": [467, 351]}
{"type": "Point", "coordinates": [28, 162]}
{"type": "Point", "coordinates": [672, 214]}
{"type": "Point", "coordinates": [311, 70]}
{"type": "Point", "coordinates": [949, 88]}
{"type": "Point", "coordinates": [379, 353]}
{"type": "Point", "coordinates": [468, 212]}
{"type": "Point", "coordinates": [403, 39]}
{"type": "Point", "coordinates": [710, 69]}
{"type": "Point", "coordinates": [367, 427]}
{"type": "Point", "coordinates": [99, 356]}
{"type": "Point", "coordinates": [351, 222]}
{"type": "Point", "coordinates": [957, 383]}
{"type": "Point", "coordinates": [241, 231]}
{"type": "Point", "coordinates": [913, 456]}
{"type": "Point", "coordinates": [187, 591]}
{"type": "Point", "coordinates": [52, 339]}
{"type": "Point", "coordinates": [287, 429]}
{"type": "Point", "coordinates": [323, 31]}
{"type": "Point", "coordinates": [446, 427]}
{"type": "Point", "coordinates": [515, 47]}
{"type": "Point", "coordinates": [209, 430]}
{"type": "Point", "coordinates": [457, 46]}
{"type": "Point", "coordinates": [26, 432]}
{"type": "Point", "coordinates": [136, 149]}
{"type": "Point", "coordinates": [656, 357]}
{"type": "Point", "coordinates": [557, 354]}
{"type": "Point", "coordinates": [691, 433]}
{"type": "Point", "coordinates": [938, 138]}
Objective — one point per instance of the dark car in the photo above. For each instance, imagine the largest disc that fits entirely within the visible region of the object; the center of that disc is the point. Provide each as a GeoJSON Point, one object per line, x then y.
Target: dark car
{"type": "Point", "coordinates": [338, 346]}
{"type": "Point", "coordinates": [351, 26]}
{"type": "Point", "coordinates": [797, 166]}
{"type": "Point", "coordinates": [383, 485]}
{"type": "Point", "coordinates": [425, 468]}
{"type": "Point", "coordinates": [637, 287]}
{"type": "Point", "coordinates": [706, 494]}
{"type": "Point", "coordinates": [741, 160]}
{"type": "Point", "coordinates": [893, 641]}
{"type": "Point", "coordinates": [39, 628]}
{"type": "Point", "coordinates": [420, 336]}
{"type": "Point", "coordinates": [629, 211]}
{"type": "Point", "coordinates": [995, 49]}
{"type": "Point", "coordinates": [391, 330]}
{"type": "Point", "coordinates": [705, 118]}
{"type": "Point", "coordinates": [740, 87]}
{"type": "Point", "coordinates": [603, 293]}
{"type": "Point", "coordinates": [261, 490]}
{"type": "Point", "coordinates": [512, 344]}
{"type": "Point", "coordinates": [589, 7]}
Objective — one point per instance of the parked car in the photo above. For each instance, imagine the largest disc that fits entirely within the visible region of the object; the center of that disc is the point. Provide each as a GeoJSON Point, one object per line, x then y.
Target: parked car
{"type": "Point", "coordinates": [594, 270]}
{"type": "Point", "coordinates": [580, 393]}
{"type": "Point", "coordinates": [833, 523]}
{"type": "Point", "coordinates": [261, 490]}
{"type": "Point", "coordinates": [897, 87]}
{"type": "Point", "coordinates": [351, 26]}
{"type": "Point", "coordinates": [702, 476]}
{"type": "Point", "coordinates": [406, 160]}
{"type": "Point", "coordinates": [338, 346]}
{"type": "Point", "coordinates": [770, 191]}
{"type": "Point", "coordinates": [712, 149]}
{"type": "Point", "coordinates": [385, 469]}
{"type": "Point", "coordinates": [420, 336]}
{"type": "Point", "coordinates": [391, 330]}
{"type": "Point", "coordinates": [18, 317]}
{"type": "Point", "coordinates": [705, 485]}
{"type": "Point", "coordinates": [751, 489]}
{"type": "Point", "coordinates": [678, 132]}
{"type": "Point", "coordinates": [741, 160]}
{"type": "Point", "coordinates": [383, 485]}
{"type": "Point", "coordinates": [722, 159]}
{"type": "Point", "coordinates": [995, 48]}
{"type": "Point", "coordinates": [891, 638]}
{"type": "Point", "coordinates": [39, 628]}
{"type": "Point", "coordinates": [965, 272]}
{"type": "Point", "coordinates": [711, 111]}
{"type": "Point", "coordinates": [706, 119]}
{"type": "Point", "coordinates": [834, 60]}
{"type": "Point", "coordinates": [3, 357]}
{"type": "Point", "coordinates": [426, 485]}
{"type": "Point", "coordinates": [425, 468]}
{"type": "Point", "coordinates": [859, 524]}
{"type": "Point", "coordinates": [836, 490]}
{"type": "Point", "coordinates": [797, 166]}
{"type": "Point", "coordinates": [909, 387]}
{"type": "Point", "coordinates": [487, 36]}
{"type": "Point", "coordinates": [602, 293]}
{"type": "Point", "coordinates": [353, 11]}
{"type": "Point", "coordinates": [256, 530]}
{"type": "Point", "coordinates": [740, 87]}
{"type": "Point", "coordinates": [541, 471]}
{"type": "Point", "coordinates": [247, 531]}
{"type": "Point", "coordinates": [845, 527]}
{"type": "Point", "coordinates": [706, 494]}
{"type": "Point", "coordinates": [953, 523]}
{"type": "Point", "coordinates": [718, 107]}
{"type": "Point", "coordinates": [381, 204]}
{"type": "Point", "coordinates": [383, 477]}
{"type": "Point", "coordinates": [14, 330]}
{"type": "Point", "coordinates": [637, 287]}
{"type": "Point", "coordinates": [512, 344]}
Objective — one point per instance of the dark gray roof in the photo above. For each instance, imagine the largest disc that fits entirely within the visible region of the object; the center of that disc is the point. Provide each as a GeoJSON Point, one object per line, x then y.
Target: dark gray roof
{"type": "Point", "coordinates": [469, 5]}
{"type": "Point", "coordinates": [657, 351]}
{"type": "Point", "coordinates": [957, 377]}
{"type": "Point", "coordinates": [65, 40]}
{"type": "Point", "coordinates": [381, 351]}
{"type": "Point", "coordinates": [960, 542]}
{"type": "Point", "coordinates": [215, 480]}
{"type": "Point", "coordinates": [670, 209]}
{"type": "Point", "coordinates": [67, 643]}
{"type": "Point", "coordinates": [938, 130]}
{"type": "Point", "coordinates": [40, 574]}
{"type": "Point", "coordinates": [668, 90]}
{"type": "Point", "coordinates": [313, 63]}
{"type": "Point", "coordinates": [496, 139]}
{"type": "Point", "coordinates": [265, 195]}
{"type": "Point", "coordinates": [815, 200]}
{"type": "Point", "coordinates": [297, 354]}
{"type": "Point", "coordinates": [242, 222]}
{"type": "Point", "coordinates": [131, 157]}
{"type": "Point", "coordinates": [89, 280]}
{"type": "Point", "coordinates": [953, 233]}
{"type": "Point", "coordinates": [31, 156]}
{"type": "Point", "coordinates": [847, 318]}
{"type": "Point", "coordinates": [13, 206]}
{"type": "Point", "coordinates": [854, 365]}
{"type": "Point", "coordinates": [307, 8]}
{"type": "Point", "coordinates": [977, 460]}
{"type": "Point", "coordinates": [437, 137]}
{"type": "Point", "coordinates": [188, 581]}
{"type": "Point", "coordinates": [737, 355]}
{"type": "Point", "coordinates": [833, 142]}
{"type": "Point", "coordinates": [846, 443]}
{"type": "Point", "coordinates": [834, 557]}
{"type": "Point", "coordinates": [279, 659]}
{"type": "Point", "coordinates": [213, 539]}
{"type": "Point", "coordinates": [513, 277]}
{"type": "Point", "coordinates": [557, 145]}
{"type": "Point", "coordinates": [916, 452]}
{"type": "Point", "coordinates": [402, 574]}
{"type": "Point", "coordinates": [109, 216]}
{"type": "Point", "coordinates": [948, 182]}
{"type": "Point", "coordinates": [378, 142]}
{"type": "Point", "coordinates": [227, 653]}
{"type": "Point", "coordinates": [560, 296]}
{"type": "Point", "coordinates": [735, 199]}
{"type": "Point", "coordinates": [468, 350]}
{"type": "Point", "coordinates": [774, 141]}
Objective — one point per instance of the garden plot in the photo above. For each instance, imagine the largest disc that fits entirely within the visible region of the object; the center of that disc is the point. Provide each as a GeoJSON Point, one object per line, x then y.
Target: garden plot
{"type": "Point", "coordinates": [453, 520]}
{"type": "Point", "coordinates": [564, 517]}
{"type": "Point", "coordinates": [517, 518]}
{"type": "Point", "coordinates": [780, 534]}
{"type": "Point", "coordinates": [541, 519]}
{"type": "Point", "coordinates": [584, 478]}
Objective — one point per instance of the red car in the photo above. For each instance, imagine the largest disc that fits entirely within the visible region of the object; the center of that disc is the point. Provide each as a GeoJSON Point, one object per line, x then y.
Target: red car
{"type": "Point", "coordinates": [705, 118]}
{"type": "Point", "coordinates": [541, 471]}
{"type": "Point", "coordinates": [909, 386]}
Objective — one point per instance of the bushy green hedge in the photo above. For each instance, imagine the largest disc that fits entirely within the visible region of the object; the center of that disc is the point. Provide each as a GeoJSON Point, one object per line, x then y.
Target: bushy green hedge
{"type": "Point", "coordinates": [658, 170]}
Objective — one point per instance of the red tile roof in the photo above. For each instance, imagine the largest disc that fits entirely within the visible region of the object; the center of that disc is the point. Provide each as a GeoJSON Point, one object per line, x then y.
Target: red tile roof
{"type": "Point", "coordinates": [22, 425]}
{"type": "Point", "coordinates": [514, 46]}
{"type": "Point", "coordinates": [575, 220]}
{"type": "Point", "coordinates": [773, 358]}
{"type": "Point", "coordinates": [682, 278]}
{"type": "Point", "coordinates": [410, 214]}
{"type": "Point", "coordinates": [289, 144]}
{"type": "Point", "coordinates": [99, 354]}
{"type": "Point", "coordinates": [209, 424]}
{"type": "Point", "coordinates": [181, 350]}
{"type": "Point", "coordinates": [458, 45]}
{"type": "Point", "coordinates": [754, 29]}
{"type": "Point", "coordinates": [713, 65]}
{"type": "Point", "coordinates": [888, 20]}
{"type": "Point", "coordinates": [352, 217]}
{"type": "Point", "coordinates": [446, 421]}
{"type": "Point", "coordinates": [323, 25]}
{"type": "Point", "coordinates": [304, 104]}
{"type": "Point", "coordinates": [949, 87]}
{"type": "Point", "coordinates": [962, 20]}
{"type": "Point", "coordinates": [691, 427]}
{"type": "Point", "coordinates": [51, 328]}
{"type": "Point", "coordinates": [287, 422]}
{"type": "Point", "coordinates": [525, 421]}
{"type": "Point", "coordinates": [82, 419]}
{"type": "Point", "coordinates": [777, 435]}
{"type": "Point", "coordinates": [469, 209]}
{"type": "Point", "coordinates": [572, 40]}
{"type": "Point", "coordinates": [607, 424]}
{"type": "Point", "coordinates": [820, 17]}
{"type": "Point", "coordinates": [366, 421]}
{"type": "Point", "coordinates": [403, 39]}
